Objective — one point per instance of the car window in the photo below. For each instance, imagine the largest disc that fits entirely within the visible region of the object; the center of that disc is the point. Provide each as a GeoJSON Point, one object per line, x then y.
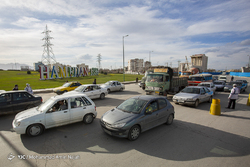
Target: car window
{"type": "Point", "coordinates": [87, 102]}
{"type": "Point", "coordinates": [206, 90]}
{"type": "Point", "coordinates": [21, 96]}
{"type": "Point", "coordinates": [162, 103]}
{"type": "Point", "coordinates": [118, 83]}
{"type": "Point", "coordinates": [133, 105]}
{"type": "Point", "coordinates": [6, 97]}
{"type": "Point", "coordinates": [152, 107]}
{"type": "Point", "coordinates": [77, 102]}
{"type": "Point", "coordinates": [202, 91]}
{"type": "Point", "coordinates": [58, 106]}
{"type": "Point", "coordinates": [96, 87]}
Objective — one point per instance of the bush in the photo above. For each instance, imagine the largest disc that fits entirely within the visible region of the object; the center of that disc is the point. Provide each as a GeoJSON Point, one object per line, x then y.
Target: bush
{"type": "Point", "coordinates": [105, 73]}
{"type": "Point", "coordinates": [28, 72]}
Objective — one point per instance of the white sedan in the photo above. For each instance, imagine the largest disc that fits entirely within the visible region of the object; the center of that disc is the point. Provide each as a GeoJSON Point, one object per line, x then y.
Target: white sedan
{"type": "Point", "coordinates": [93, 91]}
{"type": "Point", "coordinates": [113, 86]}
{"type": "Point", "coordinates": [209, 85]}
{"type": "Point", "coordinates": [56, 111]}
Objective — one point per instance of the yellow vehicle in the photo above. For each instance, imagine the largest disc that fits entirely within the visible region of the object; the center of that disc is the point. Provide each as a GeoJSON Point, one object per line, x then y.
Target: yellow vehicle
{"type": "Point", "coordinates": [68, 86]}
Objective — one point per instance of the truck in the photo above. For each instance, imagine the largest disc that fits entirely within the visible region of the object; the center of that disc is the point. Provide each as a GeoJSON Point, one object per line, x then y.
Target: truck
{"type": "Point", "coordinates": [163, 82]}
{"type": "Point", "coordinates": [143, 80]}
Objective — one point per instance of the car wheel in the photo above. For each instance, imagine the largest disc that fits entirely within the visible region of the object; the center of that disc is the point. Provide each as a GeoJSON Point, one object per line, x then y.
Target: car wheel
{"type": "Point", "coordinates": [108, 91]}
{"type": "Point", "coordinates": [170, 119]}
{"type": "Point", "coordinates": [210, 100]}
{"type": "Point", "coordinates": [88, 119]}
{"type": "Point", "coordinates": [143, 88]}
{"type": "Point", "coordinates": [196, 103]}
{"type": "Point", "coordinates": [35, 130]}
{"type": "Point", "coordinates": [134, 133]}
{"type": "Point", "coordinates": [121, 89]}
{"type": "Point", "coordinates": [102, 96]}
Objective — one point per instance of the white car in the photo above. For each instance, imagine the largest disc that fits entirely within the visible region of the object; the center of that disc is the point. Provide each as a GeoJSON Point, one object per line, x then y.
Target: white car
{"type": "Point", "coordinates": [93, 91]}
{"type": "Point", "coordinates": [56, 111]}
{"type": "Point", "coordinates": [223, 78]}
{"type": "Point", "coordinates": [113, 86]}
{"type": "Point", "coordinates": [209, 85]}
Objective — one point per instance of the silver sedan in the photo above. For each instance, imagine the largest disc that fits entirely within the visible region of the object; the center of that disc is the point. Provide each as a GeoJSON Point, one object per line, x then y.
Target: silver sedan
{"type": "Point", "coordinates": [193, 95]}
{"type": "Point", "coordinates": [113, 86]}
{"type": "Point", "coordinates": [93, 91]}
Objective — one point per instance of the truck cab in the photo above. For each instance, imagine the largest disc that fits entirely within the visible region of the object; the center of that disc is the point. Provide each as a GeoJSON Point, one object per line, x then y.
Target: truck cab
{"type": "Point", "coordinates": [157, 82]}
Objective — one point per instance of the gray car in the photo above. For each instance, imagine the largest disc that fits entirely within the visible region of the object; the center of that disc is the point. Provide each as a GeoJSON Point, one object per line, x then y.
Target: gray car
{"type": "Point", "coordinates": [136, 115]}
{"type": "Point", "coordinates": [113, 86]}
{"type": "Point", "coordinates": [193, 95]}
{"type": "Point", "coordinates": [219, 85]}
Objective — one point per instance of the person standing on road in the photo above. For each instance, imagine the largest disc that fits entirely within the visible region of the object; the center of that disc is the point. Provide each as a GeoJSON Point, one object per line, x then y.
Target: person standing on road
{"type": "Point", "coordinates": [233, 96]}
{"type": "Point", "coordinates": [28, 88]}
{"type": "Point", "coordinates": [232, 78]}
{"type": "Point", "coordinates": [15, 88]}
{"type": "Point", "coordinates": [94, 82]}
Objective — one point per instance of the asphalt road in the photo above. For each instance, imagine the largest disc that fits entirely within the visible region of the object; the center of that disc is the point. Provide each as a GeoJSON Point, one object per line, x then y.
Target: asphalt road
{"type": "Point", "coordinates": [196, 138]}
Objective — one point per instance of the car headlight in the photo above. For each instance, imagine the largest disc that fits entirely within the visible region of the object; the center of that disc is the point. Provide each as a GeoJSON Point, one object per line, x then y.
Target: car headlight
{"type": "Point", "coordinates": [190, 99]}
{"type": "Point", "coordinates": [17, 123]}
{"type": "Point", "coordinates": [119, 125]}
{"type": "Point", "coordinates": [161, 88]}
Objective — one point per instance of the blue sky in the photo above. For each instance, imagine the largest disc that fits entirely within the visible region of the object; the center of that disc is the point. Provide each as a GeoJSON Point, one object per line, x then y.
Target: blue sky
{"type": "Point", "coordinates": [82, 29]}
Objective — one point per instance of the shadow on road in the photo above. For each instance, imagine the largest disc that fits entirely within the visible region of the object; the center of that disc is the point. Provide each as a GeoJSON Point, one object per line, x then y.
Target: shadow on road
{"type": "Point", "coordinates": [181, 141]}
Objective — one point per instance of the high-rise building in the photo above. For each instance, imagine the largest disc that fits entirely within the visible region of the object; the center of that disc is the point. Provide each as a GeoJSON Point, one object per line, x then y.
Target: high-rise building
{"type": "Point", "coordinates": [135, 65]}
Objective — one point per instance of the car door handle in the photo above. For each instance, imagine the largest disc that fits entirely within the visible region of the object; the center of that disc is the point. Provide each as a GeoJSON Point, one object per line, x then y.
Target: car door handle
{"type": "Point", "coordinates": [65, 111]}
{"type": "Point", "coordinates": [84, 107]}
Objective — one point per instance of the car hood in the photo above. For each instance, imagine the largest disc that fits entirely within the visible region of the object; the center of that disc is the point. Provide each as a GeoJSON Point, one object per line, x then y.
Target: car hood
{"type": "Point", "coordinates": [117, 116]}
{"type": "Point", "coordinates": [228, 86]}
{"type": "Point", "coordinates": [28, 113]}
{"type": "Point", "coordinates": [185, 95]}
{"type": "Point", "coordinates": [219, 85]}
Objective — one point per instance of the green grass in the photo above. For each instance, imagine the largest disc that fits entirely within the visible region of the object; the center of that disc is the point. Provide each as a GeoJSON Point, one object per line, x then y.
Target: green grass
{"type": "Point", "coordinates": [8, 79]}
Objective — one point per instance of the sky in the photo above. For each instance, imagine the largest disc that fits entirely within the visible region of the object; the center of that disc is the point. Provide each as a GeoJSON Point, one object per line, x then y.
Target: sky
{"type": "Point", "coordinates": [163, 30]}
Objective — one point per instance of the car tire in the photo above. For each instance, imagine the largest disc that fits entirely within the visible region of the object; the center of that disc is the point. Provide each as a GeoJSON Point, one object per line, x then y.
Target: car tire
{"type": "Point", "coordinates": [108, 91]}
{"type": "Point", "coordinates": [170, 119]}
{"type": "Point", "coordinates": [102, 96]}
{"type": "Point", "coordinates": [196, 103]}
{"type": "Point", "coordinates": [88, 119]}
{"type": "Point", "coordinates": [35, 130]}
{"type": "Point", "coordinates": [134, 133]}
{"type": "Point", "coordinates": [143, 88]}
{"type": "Point", "coordinates": [121, 89]}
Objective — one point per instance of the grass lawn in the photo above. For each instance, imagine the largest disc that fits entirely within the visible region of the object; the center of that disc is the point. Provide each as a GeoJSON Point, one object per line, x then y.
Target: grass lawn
{"type": "Point", "coordinates": [8, 79]}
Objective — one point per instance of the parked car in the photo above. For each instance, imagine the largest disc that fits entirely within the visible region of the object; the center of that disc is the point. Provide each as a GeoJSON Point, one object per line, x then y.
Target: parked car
{"type": "Point", "coordinates": [193, 95]}
{"type": "Point", "coordinates": [228, 87]}
{"type": "Point", "coordinates": [68, 86]}
{"type": "Point", "coordinates": [93, 91]}
{"type": "Point", "coordinates": [16, 101]}
{"type": "Point", "coordinates": [219, 85]}
{"type": "Point", "coordinates": [136, 115]}
{"type": "Point", "coordinates": [56, 111]}
{"type": "Point", "coordinates": [215, 77]}
{"type": "Point", "coordinates": [244, 82]}
{"type": "Point", "coordinates": [223, 78]}
{"type": "Point", "coordinates": [209, 85]}
{"type": "Point", "coordinates": [113, 86]}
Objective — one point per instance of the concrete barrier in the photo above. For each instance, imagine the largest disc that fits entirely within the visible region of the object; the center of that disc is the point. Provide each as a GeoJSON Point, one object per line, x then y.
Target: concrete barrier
{"type": "Point", "coordinates": [248, 100]}
{"type": "Point", "coordinates": [215, 108]}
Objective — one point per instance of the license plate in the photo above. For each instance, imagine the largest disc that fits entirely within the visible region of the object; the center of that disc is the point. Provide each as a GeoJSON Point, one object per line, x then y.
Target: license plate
{"type": "Point", "coordinates": [108, 132]}
{"type": "Point", "coordinates": [181, 101]}
{"type": "Point", "coordinates": [157, 92]}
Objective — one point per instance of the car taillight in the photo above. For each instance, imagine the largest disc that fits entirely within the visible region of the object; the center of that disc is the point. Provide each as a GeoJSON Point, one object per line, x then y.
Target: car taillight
{"type": "Point", "coordinates": [95, 108]}
{"type": "Point", "coordinates": [41, 100]}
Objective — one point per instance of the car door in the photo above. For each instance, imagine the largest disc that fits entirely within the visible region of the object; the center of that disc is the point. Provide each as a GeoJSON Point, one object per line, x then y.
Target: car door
{"type": "Point", "coordinates": [6, 103]}
{"type": "Point", "coordinates": [96, 91]}
{"type": "Point", "coordinates": [20, 101]}
{"type": "Point", "coordinates": [202, 96]}
{"type": "Point", "coordinates": [208, 94]}
{"type": "Point", "coordinates": [56, 117]}
{"type": "Point", "coordinates": [151, 115]}
{"type": "Point", "coordinates": [118, 86]}
{"type": "Point", "coordinates": [77, 109]}
{"type": "Point", "coordinates": [163, 110]}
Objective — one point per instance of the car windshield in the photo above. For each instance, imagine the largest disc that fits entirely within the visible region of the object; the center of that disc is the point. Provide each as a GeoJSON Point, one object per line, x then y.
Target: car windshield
{"type": "Point", "coordinates": [223, 77]}
{"type": "Point", "coordinates": [155, 78]}
{"type": "Point", "coordinates": [132, 105]}
{"type": "Point", "coordinates": [67, 84]}
{"type": "Point", "coordinates": [46, 105]}
{"type": "Point", "coordinates": [80, 88]}
{"type": "Point", "coordinates": [218, 83]}
{"type": "Point", "coordinates": [109, 83]}
{"type": "Point", "coordinates": [191, 90]}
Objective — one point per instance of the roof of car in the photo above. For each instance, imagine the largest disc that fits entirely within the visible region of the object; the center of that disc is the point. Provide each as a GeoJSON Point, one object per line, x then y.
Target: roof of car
{"type": "Point", "coordinates": [13, 91]}
{"type": "Point", "coordinates": [195, 86]}
{"type": "Point", "coordinates": [89, 85]}
{"type": "Point", "coordinates": [68, 96]}
{"type": "Point", "coordinates": [206, 82]}
{"type": "Point", "coordinates": [148, 97]}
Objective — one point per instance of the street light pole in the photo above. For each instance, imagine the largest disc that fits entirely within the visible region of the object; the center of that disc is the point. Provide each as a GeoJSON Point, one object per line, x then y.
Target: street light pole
{"type": "Point", "coordinates": [123, 57]}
